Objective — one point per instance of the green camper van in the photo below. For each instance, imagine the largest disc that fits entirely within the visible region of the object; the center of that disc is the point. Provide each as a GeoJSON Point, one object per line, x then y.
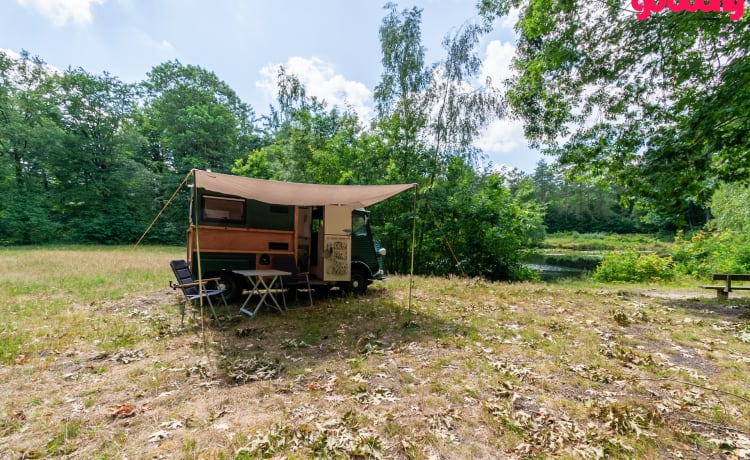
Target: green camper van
{"type": "Point", "coordinates": [239, 223]}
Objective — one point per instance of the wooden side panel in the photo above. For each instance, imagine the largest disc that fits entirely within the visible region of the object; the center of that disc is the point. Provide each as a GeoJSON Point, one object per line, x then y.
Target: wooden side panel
{"type": "Point", "coordinates": [241, 240]}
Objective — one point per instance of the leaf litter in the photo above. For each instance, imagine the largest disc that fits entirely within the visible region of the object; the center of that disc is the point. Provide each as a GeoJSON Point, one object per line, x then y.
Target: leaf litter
{"type": "Point", "coordinates": [517, 373]}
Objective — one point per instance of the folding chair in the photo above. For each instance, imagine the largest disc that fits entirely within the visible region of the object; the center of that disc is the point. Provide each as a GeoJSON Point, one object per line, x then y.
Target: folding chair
{"type": "Point", "coordinates": [285, 262]}
{"type": "Point", "coordinates": [192, 289]}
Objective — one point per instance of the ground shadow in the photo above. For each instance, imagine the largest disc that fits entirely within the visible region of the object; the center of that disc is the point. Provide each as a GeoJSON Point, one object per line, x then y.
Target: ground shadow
{"type": "Point", "coordinates": [338, 326]}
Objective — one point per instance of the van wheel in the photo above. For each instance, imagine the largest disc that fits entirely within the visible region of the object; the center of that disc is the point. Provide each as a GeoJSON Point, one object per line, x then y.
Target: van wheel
{"type": "Point", "coordinates": [231, 283]}
{"type": "Point", "coordinates": [358, 284]}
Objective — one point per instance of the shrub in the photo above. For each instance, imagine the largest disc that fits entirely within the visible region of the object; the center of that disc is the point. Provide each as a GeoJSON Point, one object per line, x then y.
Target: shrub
{"type": "Point", "coordinates": [632, 266]}
{"type": "Point", "coordinates": [705, 253]}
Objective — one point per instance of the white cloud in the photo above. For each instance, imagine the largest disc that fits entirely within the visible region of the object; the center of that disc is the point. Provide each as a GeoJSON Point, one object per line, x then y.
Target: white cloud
{"type": "Point", "coordinates": [60, 11]}
{"type": "Point", "coordinates": [503, 143]}
{"type": "Point", "coordinates": [502, 136]}
{"type": "Point", "coordinates": [497, 62]}
{"type": "Point", "coordinates": [321, 80]}
{"type": "Point", "coordinates": [509, 21]}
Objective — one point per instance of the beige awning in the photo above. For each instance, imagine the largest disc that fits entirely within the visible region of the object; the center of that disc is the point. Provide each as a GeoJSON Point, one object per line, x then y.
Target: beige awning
{"type": "Point", "coordinates": [296, 194]}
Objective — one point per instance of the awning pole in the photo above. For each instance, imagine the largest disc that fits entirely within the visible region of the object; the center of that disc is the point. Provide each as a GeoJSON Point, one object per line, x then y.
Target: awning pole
{"type": "Point", "coordinates": [413, 239]}
{"type": "Point", "coordinates": [169, 201]}
{"type": "Point", "coordinates": [196, 207]}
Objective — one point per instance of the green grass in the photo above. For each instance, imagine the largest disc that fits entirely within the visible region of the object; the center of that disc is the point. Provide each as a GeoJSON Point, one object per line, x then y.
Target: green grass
{"type": "Point", "coordinates": [52, 291]}
{"type": "Point", "coordinates": [601, 242]}
{"type": "Point", "coordinates": [466, 369]}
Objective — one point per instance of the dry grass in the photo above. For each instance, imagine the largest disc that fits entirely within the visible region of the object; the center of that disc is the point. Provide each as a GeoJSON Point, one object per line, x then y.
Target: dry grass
{"type": "Point", "coordinates": [94, 364]}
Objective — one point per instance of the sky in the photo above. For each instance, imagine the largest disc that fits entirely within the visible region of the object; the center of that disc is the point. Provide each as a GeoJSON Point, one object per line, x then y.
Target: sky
{"type": "Point", "coordinates": [331, 45]}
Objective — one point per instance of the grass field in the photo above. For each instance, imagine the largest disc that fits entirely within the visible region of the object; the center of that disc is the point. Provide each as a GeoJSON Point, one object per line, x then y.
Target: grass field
{"type": "Point", "coordinates": [603, 242]}
{"type": "Point", "coordinates": [94, 364]}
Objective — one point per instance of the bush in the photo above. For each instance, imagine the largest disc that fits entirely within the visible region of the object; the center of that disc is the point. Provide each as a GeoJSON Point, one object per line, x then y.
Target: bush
{"type": "Point", "coordinates": [705, 253]}
{"type": "Point", "coordinates": [632, 266]}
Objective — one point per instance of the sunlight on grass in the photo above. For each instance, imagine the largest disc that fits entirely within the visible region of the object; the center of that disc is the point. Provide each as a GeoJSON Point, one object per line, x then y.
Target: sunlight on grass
{"type": "Point", "coordinates": [85, 273]}
{"type": "Point", "coordinates": [51, 291]}
{"type": "Point", "coordinates": [529, 370]}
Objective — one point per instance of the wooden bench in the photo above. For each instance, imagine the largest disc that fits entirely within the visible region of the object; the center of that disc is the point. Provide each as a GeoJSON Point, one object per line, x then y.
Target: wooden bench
{"type": "Point", "coordinates": [723, 291]}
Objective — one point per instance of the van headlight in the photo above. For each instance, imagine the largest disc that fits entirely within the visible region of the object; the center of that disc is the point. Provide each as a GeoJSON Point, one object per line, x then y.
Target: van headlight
{"type": "Point", "coordinates": [381, 251]}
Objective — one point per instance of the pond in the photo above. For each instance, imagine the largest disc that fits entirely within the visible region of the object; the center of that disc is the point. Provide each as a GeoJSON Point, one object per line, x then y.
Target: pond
{"type": "Point", "coordinates": [564, 265]}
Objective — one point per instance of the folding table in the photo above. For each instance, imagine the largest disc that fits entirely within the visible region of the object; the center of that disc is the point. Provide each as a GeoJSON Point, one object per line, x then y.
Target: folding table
{"type": "Point", "coordinates": [261, 287]}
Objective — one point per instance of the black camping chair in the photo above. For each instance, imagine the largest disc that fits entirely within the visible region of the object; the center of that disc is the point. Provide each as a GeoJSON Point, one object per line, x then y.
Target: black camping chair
{"type": "Point", "coordinates": [192, 289]}
{"type": "Point", "coordinates": [285, 262]}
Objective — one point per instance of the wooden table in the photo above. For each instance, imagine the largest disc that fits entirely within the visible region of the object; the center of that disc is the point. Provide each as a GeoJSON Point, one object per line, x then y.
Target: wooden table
{"type": "Point", "coordinates": [263, 288]}
{"type": "Point", "coordinates": [723, 291]}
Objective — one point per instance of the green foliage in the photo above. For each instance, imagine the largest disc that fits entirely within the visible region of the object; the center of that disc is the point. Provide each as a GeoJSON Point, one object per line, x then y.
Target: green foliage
{"type": "Point", "coordinates": [666, 121]}
{"type": "Point", "coordinates": [580, 204]}
{"type": "Point", "coordinates": [473, 220]}
{"type": "Point", "coordinates": [30, 138]}
{"type": "Point", "coordinates": [404, 72]}
{"type": "Point", "coordinates": [193, 119]}
{"type": "Point", "coordinates": [704, 253]}
{"type": "Point", "coordinates": [256, 164]}
{"type": "Point", "coordinates": [631, 266]}
{"type": "Point", "coordinates": [724, 247]}
{"type": "Point", "coordinates": [89, 159]}
{"type": "Point", "coordinates": [729, 208]}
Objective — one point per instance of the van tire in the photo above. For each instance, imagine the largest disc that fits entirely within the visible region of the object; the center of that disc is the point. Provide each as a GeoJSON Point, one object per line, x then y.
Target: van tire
{"type": "Point", "coordinates": [231, 283]}
{"type": "Point", "coordinates": [358, 284]}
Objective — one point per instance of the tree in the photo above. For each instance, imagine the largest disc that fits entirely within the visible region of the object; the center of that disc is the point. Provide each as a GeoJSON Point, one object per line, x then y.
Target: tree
{"type": "Point", "coordinates": [475, 226]}
{"type": "Point", "coordinates": [581, 206]}
{"type": "Point", "coordinates": [99, 188]}
{"type": "Point", "coordinates": [659, 106]}
{"type": "Point", "coordinates": [194, 120]}
{"type": "Point", "coordinates": [434, 106]}
{"type": "Point", "coordinates": [729, 210]}
{"type": "Point", "coordinates": [428, 116]}
{"type": "Point", "coordinates": [307, 141]}
{"type": "Point", "coordinates": [30, 135]}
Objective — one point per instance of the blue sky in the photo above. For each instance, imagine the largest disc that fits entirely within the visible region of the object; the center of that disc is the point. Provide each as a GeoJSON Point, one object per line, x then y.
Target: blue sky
{"type": "Point", "coordinates": [332, 45]}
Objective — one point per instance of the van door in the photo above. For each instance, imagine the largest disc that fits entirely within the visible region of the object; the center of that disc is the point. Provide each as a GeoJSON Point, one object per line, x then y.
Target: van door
{"type": "Point", "coordinates": [304, 238]}
{"type": "Point", "coordinates": [337, 248]}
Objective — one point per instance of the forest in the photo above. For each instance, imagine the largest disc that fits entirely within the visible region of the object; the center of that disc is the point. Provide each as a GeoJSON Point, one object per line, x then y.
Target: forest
{"type": "Point", "coordinates": [641, 136]}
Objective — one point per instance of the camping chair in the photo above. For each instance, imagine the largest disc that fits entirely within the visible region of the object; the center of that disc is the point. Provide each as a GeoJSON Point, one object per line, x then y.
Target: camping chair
{"type": "Point", "coordinates": [285, 262]}
{"type": "Point", "coordinates": [193, 290]}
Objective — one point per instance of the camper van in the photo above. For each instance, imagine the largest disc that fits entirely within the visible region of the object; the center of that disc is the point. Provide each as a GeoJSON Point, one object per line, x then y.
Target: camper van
{"type": "Point", "coordinates": [239, 223]}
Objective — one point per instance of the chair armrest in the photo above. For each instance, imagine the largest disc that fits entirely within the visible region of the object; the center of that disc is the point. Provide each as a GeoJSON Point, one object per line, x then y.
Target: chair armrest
{"type": "Point", "coordinates": [194, 283]}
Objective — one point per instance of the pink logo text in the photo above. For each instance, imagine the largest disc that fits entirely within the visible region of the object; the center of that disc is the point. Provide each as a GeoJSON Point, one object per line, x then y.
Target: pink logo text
{"type": "Point", "coordinates": [645, 7]}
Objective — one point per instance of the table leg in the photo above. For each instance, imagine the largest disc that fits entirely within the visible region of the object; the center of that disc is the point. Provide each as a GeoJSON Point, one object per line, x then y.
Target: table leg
{"type": "Point", "coordinates": [265, 292]}
{"type": "Point", "coordinates": [268, 293]}
{"type": "Point", "coordinates": [254, 290]}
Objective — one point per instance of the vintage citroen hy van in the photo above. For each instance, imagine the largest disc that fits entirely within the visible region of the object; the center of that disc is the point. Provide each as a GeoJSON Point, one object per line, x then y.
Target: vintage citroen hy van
{"type": "Point", "coordinates": [239, 223]}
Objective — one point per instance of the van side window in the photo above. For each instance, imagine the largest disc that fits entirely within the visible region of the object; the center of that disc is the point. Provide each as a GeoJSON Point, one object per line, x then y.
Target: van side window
{"type": "Point", "coordinates": [221, 209]}
{"type": "Point", "coordinates": [359, 225]}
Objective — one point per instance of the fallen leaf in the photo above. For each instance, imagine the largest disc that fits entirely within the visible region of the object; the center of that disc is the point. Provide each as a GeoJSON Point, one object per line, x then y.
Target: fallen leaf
{"type": "Point", "coordinates": [122, 411]}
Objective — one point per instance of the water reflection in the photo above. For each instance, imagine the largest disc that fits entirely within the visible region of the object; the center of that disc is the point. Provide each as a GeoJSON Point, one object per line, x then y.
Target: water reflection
{"type": "Point", "coordinates": [563, 266]}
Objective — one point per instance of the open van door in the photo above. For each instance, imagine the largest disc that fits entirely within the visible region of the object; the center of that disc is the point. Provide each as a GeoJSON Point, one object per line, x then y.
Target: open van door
{"type": "Point", "coordinates": [337, 249]}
